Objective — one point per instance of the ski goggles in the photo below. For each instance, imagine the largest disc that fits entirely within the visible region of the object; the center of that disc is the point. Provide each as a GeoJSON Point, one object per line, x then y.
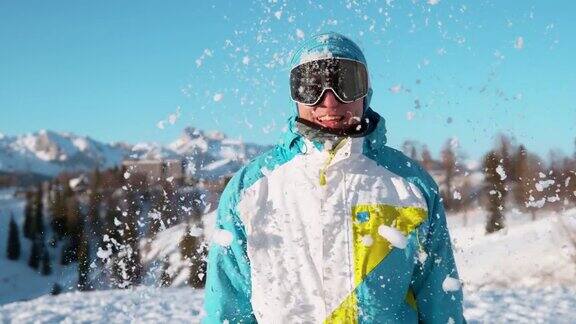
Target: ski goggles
{"type": "Point", "coordinates": [347, 78]}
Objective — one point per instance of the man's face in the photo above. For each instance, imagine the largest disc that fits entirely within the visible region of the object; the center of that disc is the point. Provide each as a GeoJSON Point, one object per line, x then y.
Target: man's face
{"type": "Point", "coordinates": [331, 113]}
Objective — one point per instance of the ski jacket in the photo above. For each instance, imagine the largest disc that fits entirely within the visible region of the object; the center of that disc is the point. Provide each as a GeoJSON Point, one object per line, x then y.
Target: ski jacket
{"type": "Point", "coordinates": [353, 232]}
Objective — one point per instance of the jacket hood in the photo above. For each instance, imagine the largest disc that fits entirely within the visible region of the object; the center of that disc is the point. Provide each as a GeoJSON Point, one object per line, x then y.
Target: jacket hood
{"type": "Point", "coordinates": [330, 45]}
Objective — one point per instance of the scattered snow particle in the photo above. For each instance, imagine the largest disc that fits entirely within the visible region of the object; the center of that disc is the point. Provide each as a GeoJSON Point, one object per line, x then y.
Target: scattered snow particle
{"type": "Point", "coordinates": [457, 195]}
{"type": "Point", "coordinates": [246, 60]}
{"type": "Point", "coordinates": [543, 184]}
{"type": "Point", "coordinates": [537, 204]}
{"type": "Point", "coordinates": [170, 179]}
{"type": "Point", "coordinates": [422, 256]}
{"type": "Point", "coordinates": [217, 97]}
{"type": "Point", "coordinates": [500, 171]}
{"type": "Point", "coordinates": [367, 240]}
{"type": "Point", "coordinates": [222, 237]}
{"type": "Point", "coordinates": [396, 88]}
{"type": "Point", "coordinates": [103, 254]}
{"type": "Point", "coordinates": [278, 14]}
{"type": "Point", "coordinates": [117, 222]}
{"type": "Point", "coordinates": [126, 175]}
{"type": "Point", "coordinates": [394, 236]}
{"type": "Point", "coordinates": [519, 43]}
{"type": "Point", "coordinates": [450, 320]}
{"type": "Point", "coordinates": [172, 118]}
{"type": "Point", "coordinates": [299, 33]}
{"type": "Point", "coordinates": [410, 115]}
{"type": "Point", "coordinates": [451, 284]}
{"type": "Point", "coordinates": [160, 124]}
{"type": "Point", "coordinates": [433, 2]}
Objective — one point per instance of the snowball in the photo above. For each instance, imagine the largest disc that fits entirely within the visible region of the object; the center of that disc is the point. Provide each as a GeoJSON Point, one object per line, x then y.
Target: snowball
{"type": "Point", "coordinates": [394, 236]}
{"type": "Point", "coordinates": [222, 237]}
{"type": "Point", "coordinates": [451, 284]}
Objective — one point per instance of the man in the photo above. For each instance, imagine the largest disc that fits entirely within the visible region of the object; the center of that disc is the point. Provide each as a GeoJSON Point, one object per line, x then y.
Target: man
{"type": "Point", "coordinates": [332, 225]}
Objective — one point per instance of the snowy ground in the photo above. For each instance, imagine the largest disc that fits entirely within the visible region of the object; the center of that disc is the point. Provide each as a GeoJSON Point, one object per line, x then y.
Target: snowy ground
{"type": "Point", "coordinates": [179, 305]}
{"type": "Point", "coordinates": [142, 305]}
{"type": "Point", "coordinates": [524, 274]}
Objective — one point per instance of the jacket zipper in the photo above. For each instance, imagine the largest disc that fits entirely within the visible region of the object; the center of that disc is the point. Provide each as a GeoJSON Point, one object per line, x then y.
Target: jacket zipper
{"type": "Point", "coordinates": [331, 155]}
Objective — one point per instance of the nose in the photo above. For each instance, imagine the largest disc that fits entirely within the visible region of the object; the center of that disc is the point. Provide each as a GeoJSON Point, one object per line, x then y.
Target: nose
{"type": "Point", "coordinates": [329, 100]}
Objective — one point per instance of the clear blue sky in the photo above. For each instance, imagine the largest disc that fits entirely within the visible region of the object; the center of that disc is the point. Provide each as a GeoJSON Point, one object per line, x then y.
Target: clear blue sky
{"type": "Point", "coordinates": [113, 69]}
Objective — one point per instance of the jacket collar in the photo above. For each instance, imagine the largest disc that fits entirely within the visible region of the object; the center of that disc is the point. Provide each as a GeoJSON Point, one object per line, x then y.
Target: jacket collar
{"type": "Point", "coordinates": [374, 135]}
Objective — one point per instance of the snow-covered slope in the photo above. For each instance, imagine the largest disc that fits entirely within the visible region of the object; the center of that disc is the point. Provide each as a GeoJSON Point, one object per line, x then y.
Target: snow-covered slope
{"type": "Point", "coordinates": [525, 274]}
{"type": "Point", "coordinates": [17, 280]}
{"type": "Point", "coordinates": [49, 153]}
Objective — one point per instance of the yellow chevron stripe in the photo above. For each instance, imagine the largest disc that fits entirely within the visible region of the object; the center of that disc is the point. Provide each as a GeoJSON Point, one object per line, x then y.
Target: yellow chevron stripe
{"type": "Point", "coordinates": [370, 248]}
{"type": "Point", "coordinates": [367, 257]}
{"type": "Point", "coordinates": [346, 313]}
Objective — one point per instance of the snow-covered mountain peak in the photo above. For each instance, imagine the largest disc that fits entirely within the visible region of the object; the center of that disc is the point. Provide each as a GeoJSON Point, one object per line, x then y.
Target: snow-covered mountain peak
{"type": "Point", "coordinates": [49, 153]}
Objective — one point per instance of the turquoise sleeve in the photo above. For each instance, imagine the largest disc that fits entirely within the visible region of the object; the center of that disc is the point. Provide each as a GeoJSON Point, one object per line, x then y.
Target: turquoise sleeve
{"type": "Point", "coordinates": [228, 287]}
{"type": "Point", "coordinates": [435, 303]}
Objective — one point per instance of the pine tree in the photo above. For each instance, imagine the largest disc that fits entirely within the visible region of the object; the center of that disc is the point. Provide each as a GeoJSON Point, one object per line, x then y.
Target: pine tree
{"type": "Point", "coordinates": [46, 267]}
{"type": "Point", "coordinates": [38, 222]}
{"type": "Point", "coordinates": [427, 161]}
{"type": "Point", "coordinates": [73, 216]}
{"type": "Point", "coordinates": [128, 267]}
{"type": "Point", "coordinates": [525, 179]}
{"type": "Point", "coordinates": [35, 254]}
{"type": "Point", "coordinates": [165, 279]}
{"type": "Point", "coordinates": [56, 289]}
{"type": "Point", "coordinates": [83, 259]}
{"type": "Point", "coordinates": [29, 216]}
{"type": "Point", "coordinates": [13, 246]}
{"type": "Point", "coordinates": [94, 202]}
{"type": "Point", "coordinates": [191, 250]}
{"type": "Point", "coordinates": [505, 146]}
{"type": "Point", "coordinates": [58, 213]}
{"type": "Point", "coordinates": [496, 191]}
{"type": "Point", "coordinates": [449, 166]}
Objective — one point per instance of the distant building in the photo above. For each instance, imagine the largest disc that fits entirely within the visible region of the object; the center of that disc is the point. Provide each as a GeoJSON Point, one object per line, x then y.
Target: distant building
{"type": "Point", "coordinates": [156, 170]}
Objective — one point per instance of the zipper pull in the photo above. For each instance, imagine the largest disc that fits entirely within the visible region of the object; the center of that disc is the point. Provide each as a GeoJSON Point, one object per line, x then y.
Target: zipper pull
{"type": "Point", "coordinates": [323, 177]}
{"type": "Point", "coordinates": [331, 155]}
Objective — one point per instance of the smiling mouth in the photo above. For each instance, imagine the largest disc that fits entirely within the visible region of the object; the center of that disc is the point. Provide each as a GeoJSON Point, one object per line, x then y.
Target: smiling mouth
{"type": "Point", "coordinates": [330, 118]}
